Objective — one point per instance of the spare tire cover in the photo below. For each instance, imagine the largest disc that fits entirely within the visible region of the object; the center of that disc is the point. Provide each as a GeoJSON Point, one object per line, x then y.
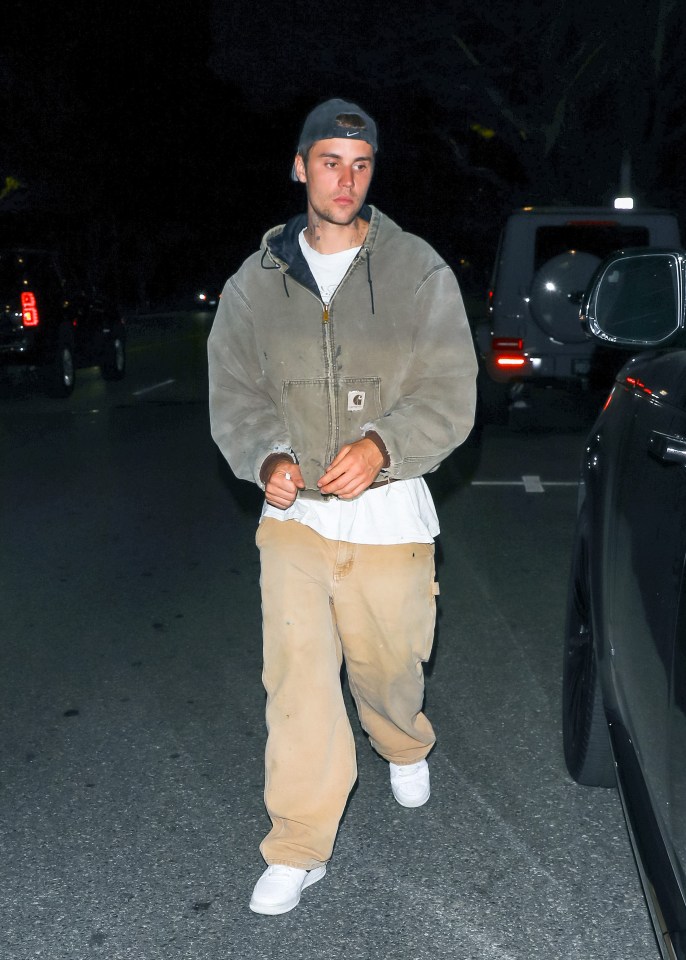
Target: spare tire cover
{"type": "Point", "coordinates": [550, 303]}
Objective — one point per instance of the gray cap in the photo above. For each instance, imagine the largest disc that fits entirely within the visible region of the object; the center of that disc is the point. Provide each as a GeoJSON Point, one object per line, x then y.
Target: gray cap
{"type": "Point", "coordinates": [331, 120]}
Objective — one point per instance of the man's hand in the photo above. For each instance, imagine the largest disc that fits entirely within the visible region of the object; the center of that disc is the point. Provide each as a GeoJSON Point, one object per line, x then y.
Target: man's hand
{"type": "Point", "coordinates": [354, 468]}
{"type": "Point", "coordinates": [283, 483]}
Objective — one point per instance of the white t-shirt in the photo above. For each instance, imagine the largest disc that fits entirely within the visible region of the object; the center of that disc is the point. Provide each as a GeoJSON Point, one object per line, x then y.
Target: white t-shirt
{"type": "Point", "coordinates": [328, 269]}
{"type": "Point", "coordinates": [400, 512]}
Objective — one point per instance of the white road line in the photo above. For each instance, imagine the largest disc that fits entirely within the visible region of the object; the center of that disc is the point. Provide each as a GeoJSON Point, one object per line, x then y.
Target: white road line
{"type": "Point", "coordinates": [155, 386]}
{"type": "Point", "coordinates": [531, 484]}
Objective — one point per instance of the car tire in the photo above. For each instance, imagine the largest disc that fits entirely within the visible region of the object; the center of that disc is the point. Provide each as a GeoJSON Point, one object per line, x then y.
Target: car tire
{"type": "Point", "coordinates": [60, 371]}
{"type": "Point", "coordinates": [113, 365]}
{"type": "Point", "coordinates": [586, 741]}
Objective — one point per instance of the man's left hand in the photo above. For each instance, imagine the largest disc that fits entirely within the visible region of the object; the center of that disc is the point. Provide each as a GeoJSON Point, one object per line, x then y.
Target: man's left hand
{"type": "Point", "coordinates": [354, 468]}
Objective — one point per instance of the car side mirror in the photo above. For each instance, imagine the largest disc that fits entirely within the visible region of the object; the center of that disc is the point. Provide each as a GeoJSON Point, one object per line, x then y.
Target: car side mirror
{"type": "Point", "coordinates": [636, 299]}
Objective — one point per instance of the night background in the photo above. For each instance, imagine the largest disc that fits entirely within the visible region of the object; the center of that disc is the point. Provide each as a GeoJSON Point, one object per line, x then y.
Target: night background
{"type": "Point", "coordinates": [154, 141]}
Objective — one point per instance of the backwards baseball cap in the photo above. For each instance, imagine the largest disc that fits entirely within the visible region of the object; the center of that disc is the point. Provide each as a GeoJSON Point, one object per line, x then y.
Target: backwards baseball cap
{"type": "Point", "coordinates": [336, 118]}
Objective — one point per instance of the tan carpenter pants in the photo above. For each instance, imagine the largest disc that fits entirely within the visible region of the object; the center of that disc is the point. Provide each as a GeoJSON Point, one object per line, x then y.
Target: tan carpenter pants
{"type": "Point", "coordinates": [322, 601]}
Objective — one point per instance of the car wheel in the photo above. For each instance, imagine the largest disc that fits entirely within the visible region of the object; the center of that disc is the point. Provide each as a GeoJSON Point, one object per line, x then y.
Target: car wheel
{"type": "Point", "coordinates": [584, 728]}
{"type": "Point", "coordinates": [60, 372]}
{"type": "Point", "coordinates": [113, 365]}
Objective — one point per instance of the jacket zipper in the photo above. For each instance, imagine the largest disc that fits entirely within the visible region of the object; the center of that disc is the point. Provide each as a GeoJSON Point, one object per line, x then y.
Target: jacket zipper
{"type": "Point", "coordinates": [328, 353]}
{"type": "Point", "coordinates": [330, 382]}
{"type": "Point", "coordinates": [332, 379]}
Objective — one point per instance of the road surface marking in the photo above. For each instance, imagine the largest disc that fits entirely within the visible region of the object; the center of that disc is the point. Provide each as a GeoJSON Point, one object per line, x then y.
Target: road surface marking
{"type": "Point", "coordinates": [531, 484]}
{"type": "Point", "coordinates": [155, 386]}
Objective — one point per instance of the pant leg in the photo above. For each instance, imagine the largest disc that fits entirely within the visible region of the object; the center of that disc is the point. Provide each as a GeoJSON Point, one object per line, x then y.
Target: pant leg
{"type": "Point", "coordinates": [385, 607]}
{"type": "Point", "coordinates": [310, 763]}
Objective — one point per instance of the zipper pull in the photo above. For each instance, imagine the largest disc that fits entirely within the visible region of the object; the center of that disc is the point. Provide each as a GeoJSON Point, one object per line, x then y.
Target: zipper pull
{"type": "Point", "coordinates": [325, 313]}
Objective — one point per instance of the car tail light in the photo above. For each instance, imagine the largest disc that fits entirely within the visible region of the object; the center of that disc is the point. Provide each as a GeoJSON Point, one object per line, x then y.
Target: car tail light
{"type": "Point", "coordinates": [505, 361]}
{"type": "Point", "coordinates": [29, 309]}
{"type": "Point", "coordinates": [639, 385]}
{"type": "Point", "coordinates": [508, 351]}
{"type": "Point", "coordinates": [592, 223]}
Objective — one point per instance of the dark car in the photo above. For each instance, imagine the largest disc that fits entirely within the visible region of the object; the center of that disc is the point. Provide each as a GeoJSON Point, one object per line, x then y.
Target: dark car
{"type": "Point", "coordinates": [624, 668]}
{"type": "Point", "coordinates": [51, 320]}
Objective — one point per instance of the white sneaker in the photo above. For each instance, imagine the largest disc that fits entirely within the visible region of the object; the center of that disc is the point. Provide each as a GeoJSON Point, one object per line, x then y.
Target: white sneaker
{"type": "Point", "coordinates": [410, 783]}
{"type": "Point", "coordinates": [278, 889]}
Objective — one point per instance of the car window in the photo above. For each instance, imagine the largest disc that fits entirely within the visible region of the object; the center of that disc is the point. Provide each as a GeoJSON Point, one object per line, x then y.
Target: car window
{"type": "Point", "coordinates": [600, 238]}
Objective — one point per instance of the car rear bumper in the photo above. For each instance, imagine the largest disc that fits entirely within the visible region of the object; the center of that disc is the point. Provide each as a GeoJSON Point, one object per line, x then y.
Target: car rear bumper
{"type": "Point", "coordinates": [21, 349]}
{"type": "Point", "coordinates": [525, 366]}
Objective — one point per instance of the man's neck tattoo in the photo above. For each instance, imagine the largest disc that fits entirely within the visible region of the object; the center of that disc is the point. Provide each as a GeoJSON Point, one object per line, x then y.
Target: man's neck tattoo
{"type": "Point", "coordinates": [313, 230]}
{"type": "Point", "coordinates": [358, 231]}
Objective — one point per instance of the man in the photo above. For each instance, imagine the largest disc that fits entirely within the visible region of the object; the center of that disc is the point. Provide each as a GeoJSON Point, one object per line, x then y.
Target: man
{"type": "Point", "coordinates": [341, 370]}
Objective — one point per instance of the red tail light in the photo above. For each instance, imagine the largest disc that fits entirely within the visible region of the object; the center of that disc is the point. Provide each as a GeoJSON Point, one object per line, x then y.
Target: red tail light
{"type": "Point", "coordinates": [510, 361]}
{"type": "Point", "coordinates": [29, 309]}
{"type": "Point", "coordinates": [639, 384]}
{"type": "Point", "coordinates": [507, 351]}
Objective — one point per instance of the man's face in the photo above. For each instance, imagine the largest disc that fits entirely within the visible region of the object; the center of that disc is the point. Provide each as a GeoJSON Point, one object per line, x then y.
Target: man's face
{"type": "Point", "coordinates": [337, 175]}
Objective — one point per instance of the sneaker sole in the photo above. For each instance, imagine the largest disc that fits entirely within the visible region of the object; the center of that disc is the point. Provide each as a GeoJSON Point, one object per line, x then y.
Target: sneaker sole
{"type": "Point", "coordinates": [273, 910]}
{"type": "Point", "coordinates": [414, 802]}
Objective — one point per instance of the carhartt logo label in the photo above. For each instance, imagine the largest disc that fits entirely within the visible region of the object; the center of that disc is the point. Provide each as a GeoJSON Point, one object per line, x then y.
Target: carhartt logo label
{"type": "Point", "coordinates": [355, 133]}
{"type": "Point", "coordinates": [356, 399]}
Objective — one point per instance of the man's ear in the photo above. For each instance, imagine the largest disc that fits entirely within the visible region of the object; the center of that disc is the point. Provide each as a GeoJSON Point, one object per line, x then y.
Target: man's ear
{"type": "Point", "coordinates": [300, 171]}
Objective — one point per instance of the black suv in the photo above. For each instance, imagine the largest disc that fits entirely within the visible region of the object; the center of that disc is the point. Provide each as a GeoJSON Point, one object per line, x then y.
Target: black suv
{"type": "Point", "coordinates": [624, 670]}
{"type": "Point", "coordinates": [51, 321]}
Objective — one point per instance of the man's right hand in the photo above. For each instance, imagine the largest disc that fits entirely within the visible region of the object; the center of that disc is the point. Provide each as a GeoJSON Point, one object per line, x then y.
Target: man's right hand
{"type": "Point", "coordinates": [283, 483]}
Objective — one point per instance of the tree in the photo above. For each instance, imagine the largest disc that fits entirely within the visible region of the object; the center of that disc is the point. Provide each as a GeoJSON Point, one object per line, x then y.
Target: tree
{"type": "Point", "coordinates": [569, 90]}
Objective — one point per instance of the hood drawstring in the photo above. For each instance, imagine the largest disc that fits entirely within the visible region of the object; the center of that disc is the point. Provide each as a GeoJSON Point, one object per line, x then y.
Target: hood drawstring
{"type": "Point", "coordinates": [369, 279]}
{"type": "Point", "coordinates": [273, 266]}
{"type": "Point", "coordinates": [270, 265]}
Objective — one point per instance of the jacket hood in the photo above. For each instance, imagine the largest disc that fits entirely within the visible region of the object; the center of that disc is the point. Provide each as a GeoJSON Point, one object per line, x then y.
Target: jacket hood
{"type": "Point", "coordinates": [281, 249]}
{"type": "Point", "coordinates": [282, 241]}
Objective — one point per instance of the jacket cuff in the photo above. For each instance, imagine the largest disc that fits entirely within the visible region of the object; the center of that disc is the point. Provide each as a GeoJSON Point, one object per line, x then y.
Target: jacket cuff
{"type": "Point", "coordinates": [376, 439]}
{"type": "Point", "coordinates": [269, 465]}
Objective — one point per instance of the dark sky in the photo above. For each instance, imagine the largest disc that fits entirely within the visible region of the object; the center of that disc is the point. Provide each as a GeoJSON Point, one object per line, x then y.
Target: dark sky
{"type": "Point", "coordinates": [170, 128]}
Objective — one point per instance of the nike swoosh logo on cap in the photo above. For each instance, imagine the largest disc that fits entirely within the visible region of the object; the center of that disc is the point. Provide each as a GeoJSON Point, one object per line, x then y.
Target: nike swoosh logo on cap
{"type": "Point", "coordinates": [356, 133]}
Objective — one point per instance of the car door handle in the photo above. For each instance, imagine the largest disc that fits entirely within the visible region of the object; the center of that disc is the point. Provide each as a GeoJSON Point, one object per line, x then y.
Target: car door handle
{"type": "Point", "coordinates": [666, 448]}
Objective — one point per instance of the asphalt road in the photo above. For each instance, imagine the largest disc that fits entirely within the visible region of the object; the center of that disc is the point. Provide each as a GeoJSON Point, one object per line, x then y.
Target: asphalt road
{"type": "Point", "coordinates": [131, 705]}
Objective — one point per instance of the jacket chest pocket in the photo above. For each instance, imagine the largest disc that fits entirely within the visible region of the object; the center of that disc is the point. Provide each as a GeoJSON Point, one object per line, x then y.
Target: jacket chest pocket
{"type": "Point", "coordinates": [359, 401]}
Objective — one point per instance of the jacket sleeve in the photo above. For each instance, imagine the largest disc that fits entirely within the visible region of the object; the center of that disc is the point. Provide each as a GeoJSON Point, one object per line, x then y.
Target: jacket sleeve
{"type": "Point", "coordinates": [244, 420]}
{"type": "Point", "coordinates": [435, 411]}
